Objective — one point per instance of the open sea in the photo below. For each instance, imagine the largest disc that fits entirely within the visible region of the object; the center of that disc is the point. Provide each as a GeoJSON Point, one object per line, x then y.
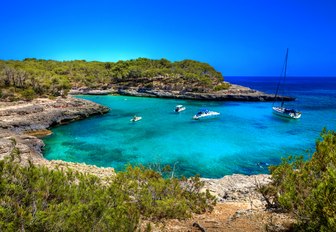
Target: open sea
{"type": "Point", "coordinates": [244, 139]}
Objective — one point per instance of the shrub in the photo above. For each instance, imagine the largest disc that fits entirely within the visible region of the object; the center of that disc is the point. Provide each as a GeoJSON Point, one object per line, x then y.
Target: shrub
{"type": "Point", "coordinates": [34, 198]}
{"type": "Point", "coordinates": [8, 94]}
{"type": "Point", "coordinates": [222, 86]}
{"type": "Point", "coordinates": [28, 94]}
{"type": "Point", "coordinates": [307, 188]}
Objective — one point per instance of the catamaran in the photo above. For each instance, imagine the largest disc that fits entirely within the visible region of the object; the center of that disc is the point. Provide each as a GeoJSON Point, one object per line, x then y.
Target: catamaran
{"type": "Point", "coordinates": [281, 110]}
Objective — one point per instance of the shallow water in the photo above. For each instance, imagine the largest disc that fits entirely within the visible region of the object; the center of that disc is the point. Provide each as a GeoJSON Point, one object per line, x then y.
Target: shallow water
{"type": "Point", "coordinates": [241, 137]}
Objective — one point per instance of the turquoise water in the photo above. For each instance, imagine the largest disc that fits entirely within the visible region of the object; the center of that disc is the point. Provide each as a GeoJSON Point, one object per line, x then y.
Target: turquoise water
{"type": "Point", "coordinates": [243, 135]}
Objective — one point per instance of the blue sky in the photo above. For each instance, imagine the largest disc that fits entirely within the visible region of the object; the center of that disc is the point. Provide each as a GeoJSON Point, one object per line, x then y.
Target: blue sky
{"type": "Point", "coordinates": [236, 37]}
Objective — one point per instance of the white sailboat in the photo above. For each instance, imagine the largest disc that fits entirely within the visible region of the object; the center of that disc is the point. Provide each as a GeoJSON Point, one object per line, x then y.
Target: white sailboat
{"type": "Point", "coordinates": [281, 110]}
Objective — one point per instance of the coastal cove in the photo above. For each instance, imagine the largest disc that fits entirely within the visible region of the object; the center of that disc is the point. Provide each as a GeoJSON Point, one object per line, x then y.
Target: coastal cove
{"type": "Point", "coordinates": [245, 134]}
{"type": "Point", "coordinates": [237, 195]}
{"type": "Point", "coordinates": [170, 116]}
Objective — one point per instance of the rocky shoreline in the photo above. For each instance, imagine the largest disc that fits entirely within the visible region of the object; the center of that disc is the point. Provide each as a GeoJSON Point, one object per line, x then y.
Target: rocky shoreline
{"type": "Point", "coordinates": [22, 122]}
{"type": "Point", "coordinates": [234, 93]}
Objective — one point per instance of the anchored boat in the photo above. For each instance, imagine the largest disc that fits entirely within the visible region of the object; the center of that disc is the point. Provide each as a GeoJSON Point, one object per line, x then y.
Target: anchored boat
{"type": "Point", "coordinates": [179, 108]}
{"type": "Point", "coordinates": [205, 114]}
{"type": "Point", "coordinates": [285, 112]}
{"type": "Point", "coordinates": [281, 110]}
{"type": "Point", "coordinates": [135, 119]}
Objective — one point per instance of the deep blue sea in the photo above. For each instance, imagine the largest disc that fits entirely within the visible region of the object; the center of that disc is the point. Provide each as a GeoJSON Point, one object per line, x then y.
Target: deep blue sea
{"type": "Point", "coordinates": [244, 135]}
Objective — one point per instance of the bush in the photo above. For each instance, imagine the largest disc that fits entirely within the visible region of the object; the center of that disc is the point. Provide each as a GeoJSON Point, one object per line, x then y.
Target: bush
{"type": "Point", "coordinates": [158, 197]}
{"type": "Point", "coordinates": [37, 199]}
{"type": "Point", "coordinates": [307, 188]}
{"type": "Point", "coordinates": [222, 86]}
{"type": "Point", "coordinates": [8, 94]}
{"type": "Point", "coordinates": [34, 198]}
{"type": "Point", "coordinates": [28, 94]}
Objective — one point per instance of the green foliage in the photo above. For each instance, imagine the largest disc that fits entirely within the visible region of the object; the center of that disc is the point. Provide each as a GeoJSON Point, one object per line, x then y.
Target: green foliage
{"type": "Point", "coordinates": [307, 188]}
{"type": "Point", "coordinates": [28, 94]}
{"type": "Point", "coordinates": [54, 78]}
{"type": "Point", "coordinates": [34, 198]}
{"type": "Point", "coordinates": [37, 199]}
{"type": "Point", "coordinates": [222, 86]}
{"type": "Point", "coordinates": [8, 93]}
{"type": "Point", "coordinates": [158, 197]}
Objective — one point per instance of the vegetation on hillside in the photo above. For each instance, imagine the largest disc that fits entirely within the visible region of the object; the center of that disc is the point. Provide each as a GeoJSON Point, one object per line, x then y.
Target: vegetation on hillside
{"type": "Point", "coordinates": [33, 77]}
{"type": "Point", "coordinates": [34, 198]}
{"type": "Point", "coordinates": [307, 188]}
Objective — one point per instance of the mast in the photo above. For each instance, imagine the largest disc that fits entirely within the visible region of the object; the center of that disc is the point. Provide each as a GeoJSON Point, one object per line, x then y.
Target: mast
{"type": "Point", "coordinates": [285, 73]}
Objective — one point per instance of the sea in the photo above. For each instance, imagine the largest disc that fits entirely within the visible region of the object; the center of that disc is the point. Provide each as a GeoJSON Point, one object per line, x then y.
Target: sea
{"type": "Point", "coordinates": [245, 139]}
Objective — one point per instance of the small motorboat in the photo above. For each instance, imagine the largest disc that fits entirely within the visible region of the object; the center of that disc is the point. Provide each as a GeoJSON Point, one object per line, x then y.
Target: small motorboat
{"type": "Point", "coordinates": [179, 108]}
{"type": "Point", "coordinates": [135, 119]}
{"type": "Point", "coordinates": [287, 113]}
{"type": "Point", "coordinates": [205, 114]}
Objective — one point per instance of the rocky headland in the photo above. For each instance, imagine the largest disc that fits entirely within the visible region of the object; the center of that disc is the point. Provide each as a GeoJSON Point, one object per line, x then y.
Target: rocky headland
{"type": "Point", "coordinates": [22, 123]}
{"type": "Point", "coordinates": [41, 114]}
{"type": "Point", "coordinates": [232, 93]}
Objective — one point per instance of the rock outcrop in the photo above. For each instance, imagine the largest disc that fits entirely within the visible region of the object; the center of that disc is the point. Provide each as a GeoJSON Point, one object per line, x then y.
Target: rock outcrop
{"type": "Point", "coordinates": [21, 119]}
{"type": "Point", "coordinates": [238, 188]}
{"type": "Point", "coordinates": [41, 114]}
{"type": "Point", "coordinates": [234, 93]}
{"type": "Point", "coordinates": [89, 91]}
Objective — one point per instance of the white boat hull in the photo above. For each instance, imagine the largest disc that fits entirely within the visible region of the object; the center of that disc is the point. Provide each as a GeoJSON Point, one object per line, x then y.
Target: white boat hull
{"type": "Point", "coordinates": [281, 111]}
{"type": "Point", "coordinates": [211, 114]}
{"type": "Point", "coordinates": [179, 110]}
{"type": "Point", "coordinates": [136, 119]}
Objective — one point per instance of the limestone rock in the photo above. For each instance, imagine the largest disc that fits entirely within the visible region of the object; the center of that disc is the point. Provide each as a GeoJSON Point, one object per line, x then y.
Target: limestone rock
{"type": "Point", "coordinates": [234, 93]}
{"type": "Point", "coordinates": [18, 119]}
{"type": "Point", "coordinates": [238, 188]}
